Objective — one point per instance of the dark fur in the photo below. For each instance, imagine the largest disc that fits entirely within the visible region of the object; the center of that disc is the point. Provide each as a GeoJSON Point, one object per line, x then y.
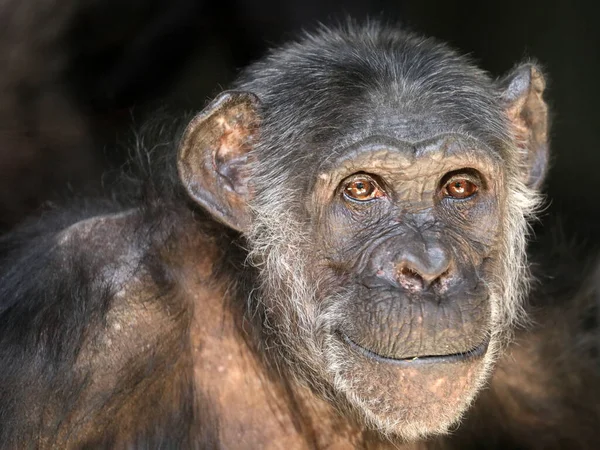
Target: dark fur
{"type": "Point", "coordinates": [53, 297]}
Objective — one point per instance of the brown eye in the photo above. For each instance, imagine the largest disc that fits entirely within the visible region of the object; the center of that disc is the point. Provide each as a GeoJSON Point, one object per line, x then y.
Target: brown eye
{"type": "Point", "coordinates": [362, 189]}
{"type": "Point", "coordinates": [460, 188]}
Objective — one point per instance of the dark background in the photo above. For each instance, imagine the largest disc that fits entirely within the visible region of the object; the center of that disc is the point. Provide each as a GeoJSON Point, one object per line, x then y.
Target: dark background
{"type": "Point", "coordinates": [77, 75]}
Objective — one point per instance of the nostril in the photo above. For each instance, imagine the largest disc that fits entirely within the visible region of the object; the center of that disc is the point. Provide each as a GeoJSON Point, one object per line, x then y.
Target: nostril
{"type": "Point", "coordinates": [409, 278]}
{"type": "Point", "coordinates": [442, 282]}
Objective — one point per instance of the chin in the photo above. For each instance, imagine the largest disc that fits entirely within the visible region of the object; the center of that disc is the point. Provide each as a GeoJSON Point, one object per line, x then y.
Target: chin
{"type": "Point", "coordinates": [410, 398]}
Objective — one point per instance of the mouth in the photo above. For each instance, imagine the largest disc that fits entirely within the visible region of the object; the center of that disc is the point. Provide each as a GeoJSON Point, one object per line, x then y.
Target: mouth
{"type": "Point", "coordinates": [473, 354]}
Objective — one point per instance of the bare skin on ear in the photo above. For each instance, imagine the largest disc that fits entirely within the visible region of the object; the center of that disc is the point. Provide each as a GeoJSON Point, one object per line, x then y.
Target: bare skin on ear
{"type": "Point", "coordinates": [214, 157]}
{"type": "Point", "coordinates": [528, 115]}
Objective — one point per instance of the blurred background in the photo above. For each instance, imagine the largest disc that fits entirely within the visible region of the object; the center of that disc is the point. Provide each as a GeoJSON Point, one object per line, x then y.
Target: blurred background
{"type": "Point", "coordinates": [77, 75]}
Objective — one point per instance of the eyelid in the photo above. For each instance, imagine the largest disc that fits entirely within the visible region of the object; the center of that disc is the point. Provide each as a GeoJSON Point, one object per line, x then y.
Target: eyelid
{"type": "Point", "coordinates": [469, 174]}
{"type": "Point", "coordinates": [375, 179]}
{"type": "Point", "coordinates": [451, 180]}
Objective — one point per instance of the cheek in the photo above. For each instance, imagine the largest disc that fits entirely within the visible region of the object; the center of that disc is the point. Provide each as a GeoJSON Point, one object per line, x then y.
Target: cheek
{"type": "Point", "coordinates": [478, 223]}
{"type": "Point", "coordinates": [340, 230]}
{"type": "Point", "coordinates": [339, 242]}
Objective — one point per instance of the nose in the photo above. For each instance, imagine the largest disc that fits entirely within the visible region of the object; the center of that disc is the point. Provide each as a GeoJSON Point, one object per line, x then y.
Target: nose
{"type": "Point", "coordinates": [418, 265]}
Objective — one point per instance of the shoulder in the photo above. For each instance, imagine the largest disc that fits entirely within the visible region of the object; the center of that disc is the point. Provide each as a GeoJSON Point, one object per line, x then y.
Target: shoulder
{"type": "Point", "coordinates": [84, 304]}
{"type": "Point", "coordinates": [113, 245]}
{"type": "Point", "coordinates": [99, 226]}
{"type": "Point", "coordinates": [58, 262]}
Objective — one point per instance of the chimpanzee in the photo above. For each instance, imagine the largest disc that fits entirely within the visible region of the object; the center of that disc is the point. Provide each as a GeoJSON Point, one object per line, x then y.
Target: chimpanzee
{"type": "Point", "coordinates": [333, 256]}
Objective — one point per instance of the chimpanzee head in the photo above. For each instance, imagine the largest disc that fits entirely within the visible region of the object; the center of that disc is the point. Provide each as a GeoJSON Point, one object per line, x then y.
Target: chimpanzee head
{"type": "Point", "coordinates": [383, 184]}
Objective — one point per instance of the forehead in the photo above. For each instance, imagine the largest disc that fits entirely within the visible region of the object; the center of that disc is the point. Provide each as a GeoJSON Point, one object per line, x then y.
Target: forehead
{"type": "Point", "coordinates": [323, 94]}
{"type": "Point", "coordinates": [391, 128]}
{"type": "Point", "coordinates": [409, 113]}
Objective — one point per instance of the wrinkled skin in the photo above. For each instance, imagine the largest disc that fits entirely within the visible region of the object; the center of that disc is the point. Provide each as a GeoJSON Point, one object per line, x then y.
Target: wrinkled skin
{"type": "Point", "coordinates": [414, 259]}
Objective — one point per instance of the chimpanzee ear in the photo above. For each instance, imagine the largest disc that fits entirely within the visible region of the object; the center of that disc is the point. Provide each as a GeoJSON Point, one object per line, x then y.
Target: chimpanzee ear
{"type": "Point", "coordinates": [214, 157]}
{"type": "Point", "coordinates": [528, 114]}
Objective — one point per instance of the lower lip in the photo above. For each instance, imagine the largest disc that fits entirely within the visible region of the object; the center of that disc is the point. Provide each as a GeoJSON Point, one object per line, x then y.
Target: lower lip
{"type": "Point", "coordinates": [473, 354]}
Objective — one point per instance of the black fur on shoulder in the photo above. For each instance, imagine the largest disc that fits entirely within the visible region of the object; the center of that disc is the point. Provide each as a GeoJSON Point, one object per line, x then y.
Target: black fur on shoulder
{"type": "Point", "coordinates": [54, 295]}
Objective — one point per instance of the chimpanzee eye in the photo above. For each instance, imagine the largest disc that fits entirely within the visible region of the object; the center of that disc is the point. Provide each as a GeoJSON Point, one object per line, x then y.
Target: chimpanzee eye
{"type": "Point", "coordinates": [362, 188]}
{"type": "Point", "coordinates": [460, 188]}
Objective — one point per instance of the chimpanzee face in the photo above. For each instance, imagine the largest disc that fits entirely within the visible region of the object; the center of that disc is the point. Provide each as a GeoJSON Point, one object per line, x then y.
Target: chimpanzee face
{"type": "Point", "coordinates": [406, 238]}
